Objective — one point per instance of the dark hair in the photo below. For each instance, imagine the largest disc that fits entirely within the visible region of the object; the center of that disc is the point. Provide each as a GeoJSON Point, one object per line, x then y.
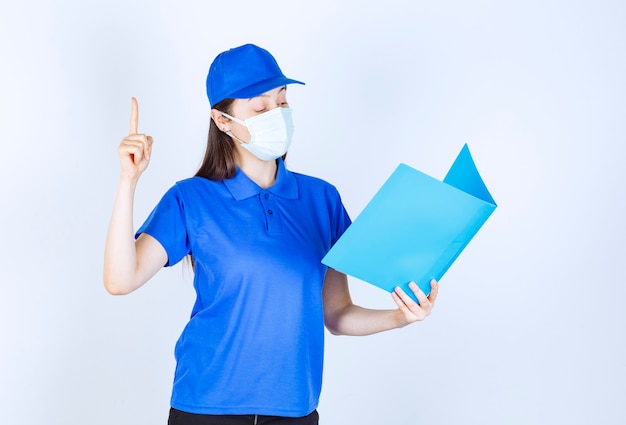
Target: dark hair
{"type": "Point", "coordinates": [219, 157]}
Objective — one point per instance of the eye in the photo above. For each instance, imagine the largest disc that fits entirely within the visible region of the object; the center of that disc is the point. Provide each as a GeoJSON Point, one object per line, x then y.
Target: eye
{"type": "Point", "coordinates": [257, 105]}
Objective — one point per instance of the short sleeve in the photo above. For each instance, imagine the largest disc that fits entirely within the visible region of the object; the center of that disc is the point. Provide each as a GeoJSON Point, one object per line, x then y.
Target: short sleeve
{"type": "Point", "coordinates": [168, 225]}
{"type": "Point", "coordinates": [340, 218]}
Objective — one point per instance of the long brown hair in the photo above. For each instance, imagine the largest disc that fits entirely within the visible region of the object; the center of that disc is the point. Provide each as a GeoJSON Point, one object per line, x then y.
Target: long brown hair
{"type": "Point", "coordinates": [219, 157]}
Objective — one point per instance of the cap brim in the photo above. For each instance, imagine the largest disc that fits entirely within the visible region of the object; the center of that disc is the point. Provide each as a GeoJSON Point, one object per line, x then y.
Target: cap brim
{"type": "Point", "coordinates": [261, 87]}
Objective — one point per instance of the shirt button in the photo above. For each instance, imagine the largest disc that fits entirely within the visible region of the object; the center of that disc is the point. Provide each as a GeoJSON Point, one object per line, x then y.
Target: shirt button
{"type": "Point", "coordinates": [270, 212]}
{"type": "Point", "coordinates": [266, 195]}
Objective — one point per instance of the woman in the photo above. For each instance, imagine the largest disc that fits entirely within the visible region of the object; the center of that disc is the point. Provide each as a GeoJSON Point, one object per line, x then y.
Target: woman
{"type": "Point", "coordinates": [253, 348]}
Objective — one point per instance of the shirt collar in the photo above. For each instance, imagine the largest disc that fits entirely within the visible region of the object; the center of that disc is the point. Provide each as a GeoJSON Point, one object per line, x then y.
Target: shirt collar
{"type": "Point", "coordinates": [285, 186]}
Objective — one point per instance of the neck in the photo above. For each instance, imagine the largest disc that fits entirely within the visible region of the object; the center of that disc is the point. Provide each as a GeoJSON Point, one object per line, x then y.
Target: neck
{"type": "Point", "coordinates": [261, 172]}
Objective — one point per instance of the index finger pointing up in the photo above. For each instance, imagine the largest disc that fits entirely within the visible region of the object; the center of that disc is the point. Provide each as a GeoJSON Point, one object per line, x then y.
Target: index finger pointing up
{"type": "Point", "coordinates": [134, 116]}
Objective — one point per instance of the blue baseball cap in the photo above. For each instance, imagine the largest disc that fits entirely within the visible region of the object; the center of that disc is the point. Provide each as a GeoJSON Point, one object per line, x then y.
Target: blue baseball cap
{"type": "Point", "coordinates": [244, 72]}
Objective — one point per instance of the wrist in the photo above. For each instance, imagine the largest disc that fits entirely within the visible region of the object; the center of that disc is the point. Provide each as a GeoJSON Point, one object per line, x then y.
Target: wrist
{"type": "Point", "coordinates": [399, 319]}
{"type": "Point", "coordinates": [128, 180]}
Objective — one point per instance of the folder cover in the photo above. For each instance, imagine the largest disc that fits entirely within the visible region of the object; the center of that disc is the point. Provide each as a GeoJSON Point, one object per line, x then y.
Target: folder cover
{"type": "Point", "coordinates": [414, 227]}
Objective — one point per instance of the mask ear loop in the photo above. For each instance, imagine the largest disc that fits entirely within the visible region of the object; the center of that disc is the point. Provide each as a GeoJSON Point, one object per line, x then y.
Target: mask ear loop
{"type": "Point", "coordinates": [230, 133]}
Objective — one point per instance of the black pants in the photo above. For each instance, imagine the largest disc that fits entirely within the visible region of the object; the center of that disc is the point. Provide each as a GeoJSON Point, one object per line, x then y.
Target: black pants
{"type": "Point", "coordinates": [178, 417]}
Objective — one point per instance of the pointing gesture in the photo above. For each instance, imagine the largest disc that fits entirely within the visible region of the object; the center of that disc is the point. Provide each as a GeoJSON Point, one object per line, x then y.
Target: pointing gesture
{"type": "Point", "coordinates": [134, 116]}
{"type": "Point", "coordinates": [134, 150]}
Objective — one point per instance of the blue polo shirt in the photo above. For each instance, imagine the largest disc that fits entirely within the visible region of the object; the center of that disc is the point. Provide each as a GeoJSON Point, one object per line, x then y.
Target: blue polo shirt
{"type": "Point", "coordinates": [255, 340]}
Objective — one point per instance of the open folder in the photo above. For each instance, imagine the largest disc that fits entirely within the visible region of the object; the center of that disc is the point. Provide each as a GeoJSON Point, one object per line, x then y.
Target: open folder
{"type": "Point", "coordinates": [414, 227]}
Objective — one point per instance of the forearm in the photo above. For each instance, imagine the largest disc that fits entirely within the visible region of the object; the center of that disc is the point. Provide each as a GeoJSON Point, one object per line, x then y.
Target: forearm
{"type": "Point", "coordinates": [342, 317]}
{"type": "Point", "coordinates": [358, 321]}
{"type": "Point", "coordinates": [120, 258]}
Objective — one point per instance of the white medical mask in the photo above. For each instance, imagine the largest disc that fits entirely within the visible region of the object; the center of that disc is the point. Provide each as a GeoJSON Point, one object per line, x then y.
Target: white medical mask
{"type": "Point", "coordinates": [270, 133]}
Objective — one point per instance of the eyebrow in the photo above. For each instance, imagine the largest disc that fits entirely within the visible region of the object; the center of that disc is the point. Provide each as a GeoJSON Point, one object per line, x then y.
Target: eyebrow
{"type": "Point", "coordinates": [282, 89]}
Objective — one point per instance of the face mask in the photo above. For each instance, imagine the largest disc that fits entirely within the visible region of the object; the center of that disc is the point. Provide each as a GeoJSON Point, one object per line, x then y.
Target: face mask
{"type": "Point", "coordinates": [270, 133]}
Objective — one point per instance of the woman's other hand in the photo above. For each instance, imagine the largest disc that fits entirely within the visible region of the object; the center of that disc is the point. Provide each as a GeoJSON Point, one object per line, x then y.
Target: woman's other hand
{"type": "Point", "coordinates": [408, 310]}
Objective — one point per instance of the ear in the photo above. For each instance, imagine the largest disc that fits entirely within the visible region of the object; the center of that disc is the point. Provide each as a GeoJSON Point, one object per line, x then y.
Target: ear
{"type": "Point", "coordinates": [220, 120]}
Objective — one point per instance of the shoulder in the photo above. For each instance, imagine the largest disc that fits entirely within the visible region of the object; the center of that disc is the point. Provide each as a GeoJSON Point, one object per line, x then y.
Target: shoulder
{"type": "Point", "coordinates": [319, 192]}
{"type": "Point", "coordinates": [306, 182]}
{"type": "Point", "coordinates": [190, 189]}
{"type": "Point", "coordinates": [195, 181]}
{"type": "Point", "coordinates": [323, 197]}
{"type": "Point", "coordinates": [194, 184]}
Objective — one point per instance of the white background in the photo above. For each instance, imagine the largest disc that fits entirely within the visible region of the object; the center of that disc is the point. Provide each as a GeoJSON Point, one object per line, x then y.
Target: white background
{"type": "Point", "coordinates": [529, 326]}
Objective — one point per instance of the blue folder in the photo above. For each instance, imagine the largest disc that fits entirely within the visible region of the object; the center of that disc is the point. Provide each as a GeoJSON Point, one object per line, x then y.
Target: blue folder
{"type": "Point", "coordinates": [414, 227]}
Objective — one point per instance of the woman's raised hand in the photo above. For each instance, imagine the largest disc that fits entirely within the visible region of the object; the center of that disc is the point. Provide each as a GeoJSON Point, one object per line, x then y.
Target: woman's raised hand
{"type": "Point", "coordinates": [135, 149]}
{"type": "Point", "coordinates": [129, 264]}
